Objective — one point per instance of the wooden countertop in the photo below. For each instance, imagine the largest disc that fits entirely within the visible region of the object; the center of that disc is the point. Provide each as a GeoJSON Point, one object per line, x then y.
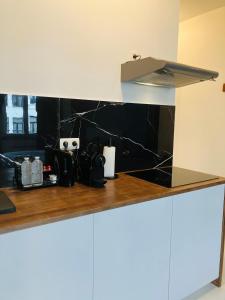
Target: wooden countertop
{"type": "Point", "coordinates": [47, 205]}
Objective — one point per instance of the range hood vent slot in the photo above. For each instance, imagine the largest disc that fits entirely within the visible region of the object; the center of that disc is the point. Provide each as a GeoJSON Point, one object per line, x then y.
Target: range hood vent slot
{"type": "Point", "coordinates": [151, 71]}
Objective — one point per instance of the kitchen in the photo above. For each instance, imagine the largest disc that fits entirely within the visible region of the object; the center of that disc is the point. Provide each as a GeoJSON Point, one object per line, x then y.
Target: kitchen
{"type": "Point", "coordinates": [59, 56]}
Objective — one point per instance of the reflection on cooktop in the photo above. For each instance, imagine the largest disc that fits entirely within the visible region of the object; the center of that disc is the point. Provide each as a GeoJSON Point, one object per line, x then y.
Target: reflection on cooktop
{"type": "Point", "coordinates": [171, 176]}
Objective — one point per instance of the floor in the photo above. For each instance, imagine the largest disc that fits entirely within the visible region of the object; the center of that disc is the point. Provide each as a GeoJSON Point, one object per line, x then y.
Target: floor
{"type": "Point", "coordinates": [210, 292]}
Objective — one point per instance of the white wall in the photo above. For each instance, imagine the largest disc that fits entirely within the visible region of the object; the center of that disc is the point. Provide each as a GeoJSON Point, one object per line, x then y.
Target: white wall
{"type": "Point", "coordinates": [200, 113]}
{"type": "Point", "coordinates": [74, 48]}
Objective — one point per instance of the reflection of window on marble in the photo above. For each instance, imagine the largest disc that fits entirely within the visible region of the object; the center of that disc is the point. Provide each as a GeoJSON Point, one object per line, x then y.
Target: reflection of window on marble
{"type": "Point", "coordinates": [18, 127]}
{"type": "Point", "coordinates": [17, 101]}
{"type": "Point", "coordinates": [21, 114]}
{"type": "Point", "coordinates": [33, 125]}
{"type": "Point", "coordinates": [32, 114]}
{"type": "Point", "coordinates": [7, 124]}
{"type": "Point", "coordinates": [33, 100]}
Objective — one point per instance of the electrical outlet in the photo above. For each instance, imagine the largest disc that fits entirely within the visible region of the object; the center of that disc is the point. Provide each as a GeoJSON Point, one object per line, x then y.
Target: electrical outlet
{"type": "Point", "coordinates": [70, 142]}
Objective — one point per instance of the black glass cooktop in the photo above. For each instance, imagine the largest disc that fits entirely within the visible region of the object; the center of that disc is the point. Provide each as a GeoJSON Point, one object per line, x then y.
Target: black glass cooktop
{"type": "Point", "coordinates": [171, 176]}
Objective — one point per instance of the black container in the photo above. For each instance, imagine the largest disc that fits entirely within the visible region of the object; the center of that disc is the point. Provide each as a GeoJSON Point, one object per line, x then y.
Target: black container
{"type": "Point", "coordinates": [64, 165]}
{"type": "Point", "coordinates": [91, 166]}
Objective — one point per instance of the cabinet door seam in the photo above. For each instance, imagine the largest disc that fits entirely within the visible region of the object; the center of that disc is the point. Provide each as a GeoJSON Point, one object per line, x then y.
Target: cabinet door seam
{"type": "Point", "coordinates": [170, 254]}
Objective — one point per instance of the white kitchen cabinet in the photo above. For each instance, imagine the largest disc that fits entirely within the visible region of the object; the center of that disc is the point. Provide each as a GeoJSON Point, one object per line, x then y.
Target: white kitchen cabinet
{"type": "Point", "coordinates": [196, 240]}
{"type": "Point", "coordinates": [132, 250]}
{"type": "Point", "coordinates": [50, 262]}
{"type": "Point", "coordinates": [156, 250]}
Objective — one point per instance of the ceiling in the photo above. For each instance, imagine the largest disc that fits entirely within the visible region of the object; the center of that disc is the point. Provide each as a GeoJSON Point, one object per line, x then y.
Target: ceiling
{"type": "Point", "coordinates": [192, 8]}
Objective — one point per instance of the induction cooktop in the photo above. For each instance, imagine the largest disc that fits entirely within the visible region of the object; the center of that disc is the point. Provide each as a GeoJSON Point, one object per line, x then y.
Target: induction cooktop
{"type": "Point", "coordinates": [171, 176]}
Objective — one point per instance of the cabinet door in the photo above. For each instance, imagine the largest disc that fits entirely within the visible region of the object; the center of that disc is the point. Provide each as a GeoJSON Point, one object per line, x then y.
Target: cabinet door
{"type": "Point", "coordinates": [51, 262]}
{"type": "Point", "coordinates": [196, 240]}
{"type": "Point", "coordinates": [131, 252]}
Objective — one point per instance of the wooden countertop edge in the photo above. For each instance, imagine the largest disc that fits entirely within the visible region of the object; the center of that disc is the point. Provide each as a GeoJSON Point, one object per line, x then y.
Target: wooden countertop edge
{"type": "Point", "coordinates": [56, 215]}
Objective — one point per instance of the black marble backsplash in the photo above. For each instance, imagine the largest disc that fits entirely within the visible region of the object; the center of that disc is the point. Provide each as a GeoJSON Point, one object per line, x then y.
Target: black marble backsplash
{"type": "Point", "coordinates": [142, 133]}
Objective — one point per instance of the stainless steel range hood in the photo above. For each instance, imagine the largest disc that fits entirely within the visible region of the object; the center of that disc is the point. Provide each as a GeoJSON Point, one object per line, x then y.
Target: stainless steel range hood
{"type": "Point", "coordinates": [151, 71]}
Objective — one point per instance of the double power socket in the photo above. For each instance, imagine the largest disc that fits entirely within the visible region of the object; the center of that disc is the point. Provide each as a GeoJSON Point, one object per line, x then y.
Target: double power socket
{"type": "Point", "coordinates": [69, 143]}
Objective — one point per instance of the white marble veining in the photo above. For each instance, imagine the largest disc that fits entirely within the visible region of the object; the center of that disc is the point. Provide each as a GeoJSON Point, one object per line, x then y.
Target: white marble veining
{"type": "Point", "coordinates": [80, 116]}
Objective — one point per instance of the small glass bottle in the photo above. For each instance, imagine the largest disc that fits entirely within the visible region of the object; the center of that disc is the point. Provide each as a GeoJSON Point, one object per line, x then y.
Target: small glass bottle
{"type": "Point", "coordinates": [37, 172]}
{"type": "Point", "coordinates": [26, 173]}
